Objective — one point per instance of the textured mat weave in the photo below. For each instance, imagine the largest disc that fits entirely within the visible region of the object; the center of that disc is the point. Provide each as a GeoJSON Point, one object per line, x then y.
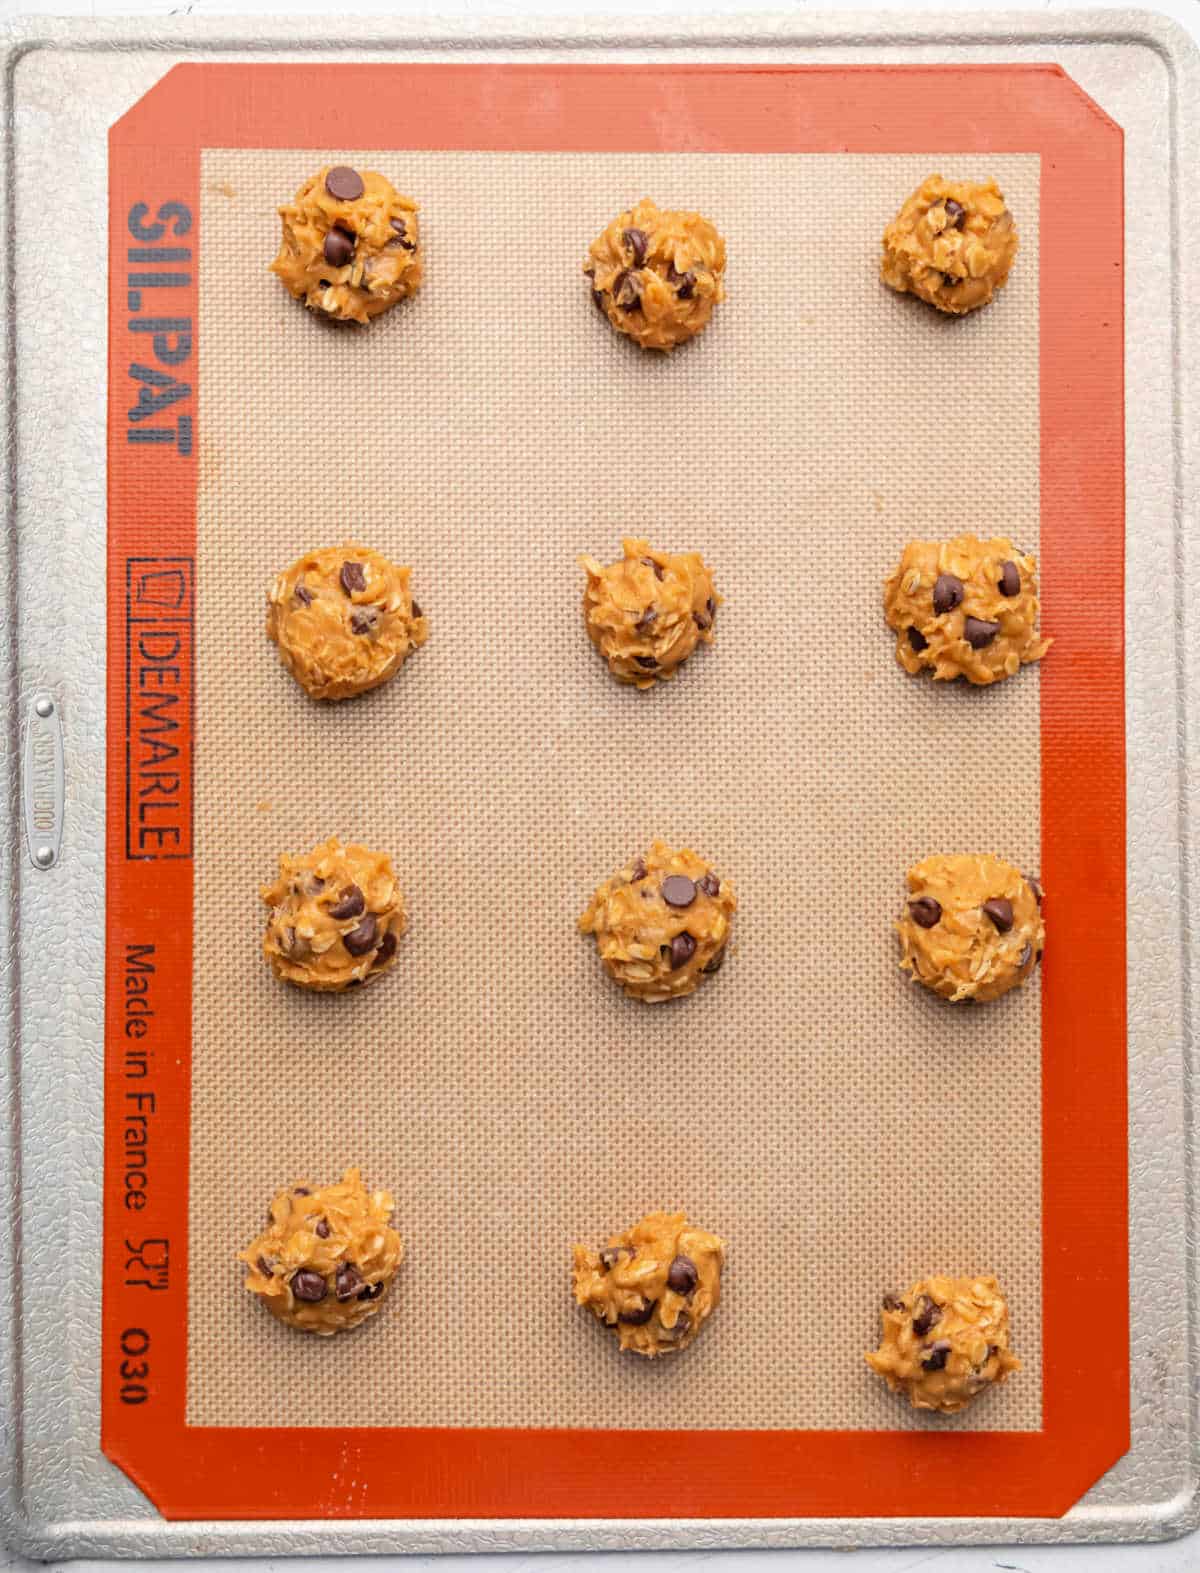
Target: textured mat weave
{"type": "Point", "coordinates": [843, 1131]}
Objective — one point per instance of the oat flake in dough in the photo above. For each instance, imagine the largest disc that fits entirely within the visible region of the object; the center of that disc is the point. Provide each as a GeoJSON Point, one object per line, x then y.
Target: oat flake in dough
{"type": "Point", "coordinates": [655, 1284]}
{"type": "Point", "coordinates": [327, 1257]}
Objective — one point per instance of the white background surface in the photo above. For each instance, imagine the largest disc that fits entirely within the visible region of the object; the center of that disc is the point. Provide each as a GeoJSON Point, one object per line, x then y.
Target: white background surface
{"type": "Point", "coordinates": [1173, 1557]}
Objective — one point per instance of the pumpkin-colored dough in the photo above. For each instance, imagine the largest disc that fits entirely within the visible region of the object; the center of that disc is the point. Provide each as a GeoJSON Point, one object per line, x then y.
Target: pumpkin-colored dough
{"type": "Point", "coordinates": [655, 1284]}
{"type": "Point", "coordinates": [952, 243]}
{"type": "Point", "coordinates": [327, 1256]}
{"type": "Point", "coordinates": [972, 926]}
{"type": "Point", "coordinates": [336, 916]}
{"type": "Point", "coordinates": [656, 274]}
{"type": "Point", "coordinates": [662, 924]}
{"type": "Point", "coordinates": [965, 608]}
{"type": "Point", "coordinates": [945, 1342]}
{"type": "Point", "coordinates": [351, 245]}
{"type": "Point", "coordinates": [344, 620]}
{"type": "Point", "coordinates": [648, 611]}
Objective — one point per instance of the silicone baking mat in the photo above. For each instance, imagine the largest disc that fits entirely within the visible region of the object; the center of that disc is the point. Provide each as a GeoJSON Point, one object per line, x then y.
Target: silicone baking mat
{"type": "Point", "coordinates": [843, 1132]}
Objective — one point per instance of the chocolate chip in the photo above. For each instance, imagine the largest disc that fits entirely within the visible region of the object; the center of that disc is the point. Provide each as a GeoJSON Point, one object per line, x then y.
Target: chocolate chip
{"type": "Point", "coordinates": [710, 885]}
{"type": "Point", "coordinates": [365, 619]}
{"type": "Point", "coordinates": [638, 871]}
{"type": "Point", "coordinates": [338, 248]}
{"type": "Point", "coordinates": [1010, 579]}
{"type": "Point", "coordinates": [926, 1314]}
{"type": "Point", "coordinates": [682, 1276]}
{"type": "Point", "coordinates": [999, 909]}
{"type": "Point", "coordinates": [610, 1255]}
{"type": "Point", "coordinates": [301, 1190]}
{"type": "Point", "coordinates": [626, 291]}
{"type": "Point", "coordinates": [347, 1281]}
{"type": "Point", "coordinates": [716, 963]}
{"type": "Point", "coordinates": [265, 1267]}
{"type": "Point", "coordinates": [682, 1322]}
{"type": "Point", "coordinates": [401, 229]}
{"type": "Point", "coordinates": [362, 939]}
{"type": "Point", "coordinates": [702, 620]}
{"type": "Point", "coordinates": [315, 885]}
{"type": "Point", "coordinates": [598, 299]}
{"type": "Point", "coordinates": [309, 1286]}
{"type": "Point", "coordinates": [979, 634]}
{"type": "Point", "coordinates": [322, 1229]}
{"type": "Point", "coordinates": [950, 281]}
{"type": "Point", "coordinates": [304, 595]}
{"type": "Point", "coordinates": [344, 183]}
{"type": "Point", "coordinates": [917, 639]}
{"type": "Point", "coordinates": [649, 616]}
{"type": "Point", "coordinates": [711, 607]}
{"type": "Point", "coordinates": [638, 1317]}
{"type": "Point", "coordinates": [947, 593]}
{"type": "Point", "coordinates": [657, 567]}
{"type": "Point", "coordinates": [683, 948]}
{"type": "Point", "coordinates": [685, 283]}
{"type": "Point", "coordinates": [926, 911]}
{"type": "Point", "coordinates": [893, 1302]}
{"type": "Point", "coordinates": [955, 212]}
{"type": "Point", "coordinates": [1026, 955]}
{"type": "Point", "coordinates": [387, 949]}
{"type": "Point", "coordinates": [352, 578]}
{"type": "Point", "coordinates": [936, 1356]}
{"type": "Point", "coordinates": [678, 890]}
{"type": "Point", "coordinates": [1035, 886]}
{"type": "Point", "coordinates": [638, 242]}
{"type": "Point", "coordinates": [371, 1292]}
{"type": "Point", "coordinates": [349, 904]}
{"type": "Point", "coordinates": [993, 1351]}
{"type": "Point", "coordinates": [647, 661]}
{"type": "Point", "coordinates": [416, 610]}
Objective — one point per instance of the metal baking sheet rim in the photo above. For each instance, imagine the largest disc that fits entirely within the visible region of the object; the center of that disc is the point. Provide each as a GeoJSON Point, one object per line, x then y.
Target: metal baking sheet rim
{"type": "Point", "coordinates": [132, 1528]}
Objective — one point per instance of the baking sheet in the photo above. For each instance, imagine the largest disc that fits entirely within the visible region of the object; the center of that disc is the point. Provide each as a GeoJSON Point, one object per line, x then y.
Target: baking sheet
{"type": "Point", "coordinates": [1145, 346]}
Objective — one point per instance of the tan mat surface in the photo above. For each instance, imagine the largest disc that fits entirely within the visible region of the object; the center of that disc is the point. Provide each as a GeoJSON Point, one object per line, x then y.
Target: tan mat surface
{"type": "Point", "coordinates": [843, 1131]}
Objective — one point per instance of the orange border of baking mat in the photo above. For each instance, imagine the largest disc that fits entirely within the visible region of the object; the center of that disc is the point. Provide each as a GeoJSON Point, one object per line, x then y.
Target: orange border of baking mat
{"type": "Point", "coordinates": [192, 1472]}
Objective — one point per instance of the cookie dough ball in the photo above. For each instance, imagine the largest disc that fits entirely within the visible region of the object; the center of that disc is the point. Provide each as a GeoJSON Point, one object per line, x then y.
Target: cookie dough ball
{"type": "Point", "coordinates": [336, 916]}
{"type": "Point", "coordinates": [327, 1256]}
{"type": "Point", "coordinates": [655, 1285]}
{"type": "Point", "coordinates": [972, 927]}
{"type": "Point", "coordinates": [662, 923]}
{"type": "Point", "coordinates": [656, 275]}
{"type": "Point", "coordinates": [648, 611]}
{"type": "Point", "coordinates": [965, 608]}
{"type": "Point", "coordinates": [351, 244]}
{"type": "Point", "coordinates": [945, 1342]}
{"type": "Point", "coordinates": [344, 620]}
{"type": "Point", "coordinates": [952, 243]}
